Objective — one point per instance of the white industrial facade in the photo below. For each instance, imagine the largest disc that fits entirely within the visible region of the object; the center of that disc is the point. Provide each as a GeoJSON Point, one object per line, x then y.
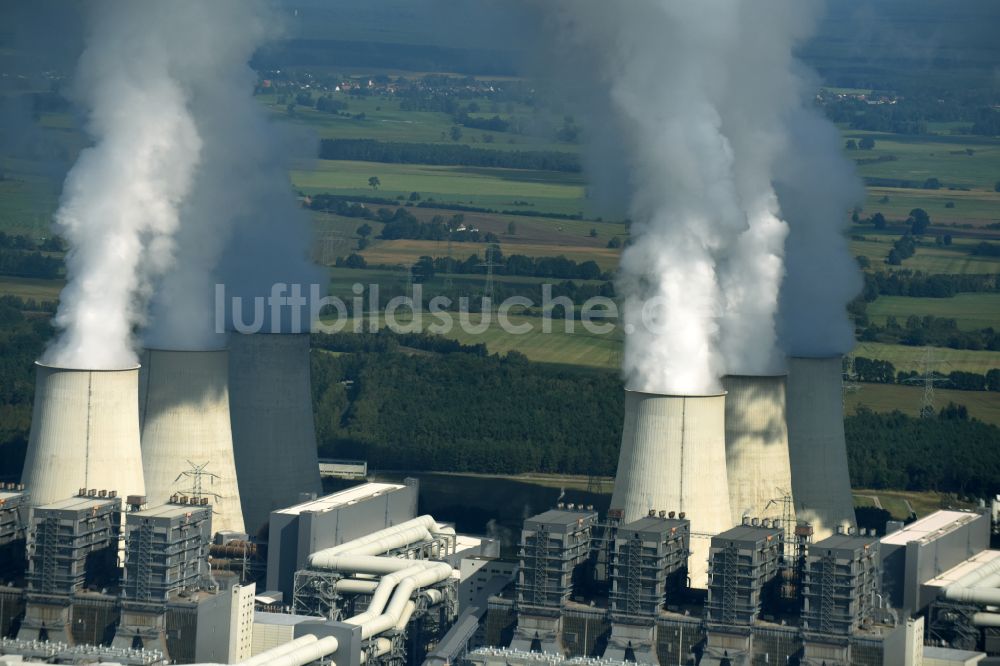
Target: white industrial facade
{"type": "Point", "coordinates": [84, 434]}
{"type": "Point", "coordinates": [821, 483]}
{"type": "Point", "coordinates": [673, 458]}
{"type": "Point", "coordinates": [756, 446]}
{"type": "Point", "coordinates": [272, 422]}
{"type": "Point", "coordinates": [184, 416]}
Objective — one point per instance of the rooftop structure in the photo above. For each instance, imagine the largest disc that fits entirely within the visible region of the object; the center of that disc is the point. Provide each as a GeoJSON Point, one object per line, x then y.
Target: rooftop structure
{"type": "Point", "coordinates": [840, 582]}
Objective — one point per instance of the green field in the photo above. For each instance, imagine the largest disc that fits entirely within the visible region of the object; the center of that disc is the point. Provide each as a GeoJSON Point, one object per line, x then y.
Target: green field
{"type": "Point", "coordinates": [970, 311]}
{"type": "Point", "coordinates": [900, 502]}
{"type": "Point", "coordinates": [947, 360]}
{"type": "Point", "coordinates": [983, 405]}
{"type": "Point", "coordinates": [31, 288]}
{"type": "Point", "coordinates": [929, 257]}
{"type": "Point", "coordinates": [977, 207]}
{"type": "Point", "coordinates": [579, 348]}
{"type": "Point", "coordinates": [547, 191]}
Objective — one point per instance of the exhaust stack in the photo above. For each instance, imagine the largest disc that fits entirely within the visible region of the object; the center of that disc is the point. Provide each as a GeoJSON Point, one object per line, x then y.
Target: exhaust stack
{"type": "Point", "coordinates": [673, 458]}
{"type": "Point", "coordinates": [84, 433]}
{"type": "Point", "coordinates": [757, 463]}
{"type": "Point", "coordinates": [817, 449]}
{"type": "Point", "coordinates": [273, 429]}
{"type": "Point", "coordinates": [187, 441]}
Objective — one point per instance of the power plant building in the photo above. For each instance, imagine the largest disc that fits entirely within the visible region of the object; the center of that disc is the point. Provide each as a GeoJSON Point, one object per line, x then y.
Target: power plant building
{"type": "Point", "coordinates": [821, 482]}
{"type": "Point", "coordinates": [84, 434]}
{"type": "Point", "coordinates": [187, 442]}
{"type": "Point", "coordinates": [274, 435]}
{"type": "Point", "coordinates": [72, 546]}
{"type": "Point", "coordinates": [673, 458]}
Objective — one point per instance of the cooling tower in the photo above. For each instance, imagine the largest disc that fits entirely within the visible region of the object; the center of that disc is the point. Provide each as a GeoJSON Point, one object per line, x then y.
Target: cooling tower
{"type": "Point", "coordinates": [84, 434]}
{"type": "Point", "coordinates": [187, 443]}
{"type": "Point", "coordinates": [817, 450]}
{"type": "Point", "coordinates": [673, 458]}
{"type": "Point", "coordinates": [273, 429]}
{"type": "Point", "coordinates": [760, 478]}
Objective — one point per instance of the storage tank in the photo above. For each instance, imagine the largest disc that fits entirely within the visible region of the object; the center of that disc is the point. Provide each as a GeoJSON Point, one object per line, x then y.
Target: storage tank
{"type": "Point", "coordinates": [187, 441]}
{"type": "Point", "coordinates": [821, 483]}
{"type": "Point", "coordinates": [760, 476]}
{"type": "Point", "coordinates": [673, 458]}
{"type": "Point", "coordinates": [273, 429]}
{"type": "Point", "coordinates": [84, 433]}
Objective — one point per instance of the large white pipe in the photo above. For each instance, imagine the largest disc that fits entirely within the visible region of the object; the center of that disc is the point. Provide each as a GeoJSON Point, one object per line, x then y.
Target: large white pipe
{"type": "Point", "coordinates": [974, 595]}
{"type": "Point", "coordinates": [405, 616]}
{"type": "Point", "coordinates": [977, 576]}
{"type": "Point", "coordinates": [986, 619]}
{"type": "Point", "coordinates": [307, 654]}
{"type": "Point", "coordinates": [381, 596]}
{"type": "Point", "coordinates": [429, 575]}
{"type": "Point", "coordinates": [426, 522]}
{"type": "Point", "coordinates": [355, 586]}
{"type": "Point", "coordinates": [265, 657]}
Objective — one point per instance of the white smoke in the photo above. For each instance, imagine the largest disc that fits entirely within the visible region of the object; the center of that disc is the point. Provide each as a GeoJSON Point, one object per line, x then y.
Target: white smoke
{"type": "Point", "coordinates": [241, 165]}
{"type": "Point", "coordinates": [702, 99]}
{"type": "Point", "coordinates": [119, 205]}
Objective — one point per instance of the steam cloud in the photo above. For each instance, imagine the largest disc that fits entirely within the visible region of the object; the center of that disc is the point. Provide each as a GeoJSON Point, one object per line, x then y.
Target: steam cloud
{"type": "Point", "coordinates": [706, 108]}
{"type": "Point", "coordinates": [183, 162]}
{"type": "Point", "coordinates": [119, 209]}
{"type": "Point", "coordinates": [241, 223]}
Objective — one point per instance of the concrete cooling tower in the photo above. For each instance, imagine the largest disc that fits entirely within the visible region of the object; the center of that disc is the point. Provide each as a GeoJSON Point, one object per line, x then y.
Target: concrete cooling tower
{"type": "Point", "coordinates": [187, 443]}
{"type": "Point", "coordinates": [273, 429]}
{"type": "Point", "coordinates": [817, 450]}
{"type": "Point", "coordinates": [760, 476]}
{"type": "Point", "coordinates": [84, 434]}
{"type": "Point", "coordinates": [673, 458]}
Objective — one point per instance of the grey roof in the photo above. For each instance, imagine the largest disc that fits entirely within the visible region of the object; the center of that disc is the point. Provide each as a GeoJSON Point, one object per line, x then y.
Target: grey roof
{"type": "Point", "coordinates": [170, 510]}
{"type": "Point", "coordinates": [948, 654]}
{"type": "Point", "coordinates": [562, 517]}
{"type": "Point", "coordinates": [653, 524]}
{"type": "Point", "coordinates": [748, 533]}
{"type": "Point", "coordinates": [79, 503]}
{"type": "Point", "coordinates": [284, 619]}
{"type": "Point", "coordinates": [844, 542]}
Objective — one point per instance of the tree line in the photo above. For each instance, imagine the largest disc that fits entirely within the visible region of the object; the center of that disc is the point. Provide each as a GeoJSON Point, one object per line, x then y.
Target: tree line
{"type": "Point", "coordinates": [930, 331]}
{"type": "Point", "coordinates": [878, 371]}
{"type": "Point", "coordinates": [370, 150]}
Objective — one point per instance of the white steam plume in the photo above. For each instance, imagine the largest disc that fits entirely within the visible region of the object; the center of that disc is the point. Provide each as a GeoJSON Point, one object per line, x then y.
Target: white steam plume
{"type": "Point", "coordinates": [120, 200]}
{"type": "Point", "coordinates": [242, 179]}
{"type": "Point", "coordinates": [699, 101]}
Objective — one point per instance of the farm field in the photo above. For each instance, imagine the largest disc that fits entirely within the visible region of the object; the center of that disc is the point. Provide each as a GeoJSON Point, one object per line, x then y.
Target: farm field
{"type": "Point", "coordinates": [406, 252]}
{"type": "Point", "coordinates": [546, 191]}
{"type": "Point", "coordinates": [912, 358]}
{"type": "Point", "coordinates": [976, 207]}
{"type": "Point", "coordinates": [900, 502]}
{"type": "Point", "coordinates": [929, 258]}
{"type": "Point", "coordinates": [956, 161]}
{"type": "Point", "coordinates": [970, 311]}
{"type": "Point", "coordinates": [983, 405]}
{"type": "Point", "coordinates": [31, 288]}
{"type": "Point", "coordinates": [579, 348]}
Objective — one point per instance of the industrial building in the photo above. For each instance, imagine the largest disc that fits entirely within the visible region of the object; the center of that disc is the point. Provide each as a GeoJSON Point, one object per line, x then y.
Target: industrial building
{"type": "Point", "coordinates": [270, 400]}
{"type": "Point", "coordinates": [14, 512]}
{"type": "Point", "coordinates": [648, 568]}
{"type": "Point", "coordinates": [72, 547]}
{"type": "Point", "coordinates": [187, 441]}
{"type": "Point", "coordinates": [166, 554]}
{"type": "Point", "coordinates": [300, 530]}
{"type": "Point", "coordinates": [84, 434]}
{"type": "Point", "coordinates": [553, 546]}
{"type": "Point", "coordinates": [673, 458]}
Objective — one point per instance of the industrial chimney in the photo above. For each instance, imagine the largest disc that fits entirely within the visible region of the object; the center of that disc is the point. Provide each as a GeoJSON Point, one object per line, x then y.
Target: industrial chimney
{"type": "Point", "coordinates": [187, 441]}
{"type": "Point", "coordinates": [273, 430]}
{"type": "Point", "coordinates": [84, 433]}
{"type": "Point", "coordinates": [760, 477]}
{"type": "Point", "coordinates": [673, 457]}
{"type": "Point", "coordinates": [817, 449]}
